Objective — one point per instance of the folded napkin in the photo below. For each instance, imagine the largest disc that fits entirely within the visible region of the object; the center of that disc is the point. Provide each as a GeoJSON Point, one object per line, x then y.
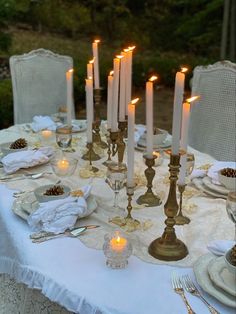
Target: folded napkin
{"type": "Point", "coordinates": [213, 170]}
{"type": "Point", "coordinates": [197, 173]}
{"type": "Point", "coordinates": [220, 247]}
{"type": "Point", "coordinates": [139, 131]}
{"type": "Point", "coordinates": [43, 122]}
{"type": "Point", "coordinates": [25, 159]}
{"type": "Point", "coordinates": [58, 215]}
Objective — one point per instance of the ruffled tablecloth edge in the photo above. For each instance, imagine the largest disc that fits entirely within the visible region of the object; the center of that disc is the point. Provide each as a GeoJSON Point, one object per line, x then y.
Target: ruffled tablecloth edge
{"type": "Point", "coordinates": [49, 288]}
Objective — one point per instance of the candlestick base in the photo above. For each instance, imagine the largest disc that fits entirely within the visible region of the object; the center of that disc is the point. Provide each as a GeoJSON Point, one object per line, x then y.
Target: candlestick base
{"type": "Point", "coordinates": [149, 198]}
{"type": "Point", "coordinates": [129, 219]}
{"type": "Point", "coordinates": [180, 219]}
{"type": "Point", "coordinates": [90, 154]}
{"type": "Point", "coordinates": [168, 247]}
{"type": "Point", "coordinates": [96, 135]}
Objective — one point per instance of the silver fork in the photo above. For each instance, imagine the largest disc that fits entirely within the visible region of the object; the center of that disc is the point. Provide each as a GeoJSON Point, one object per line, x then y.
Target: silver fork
{"type": "Point", "coordinates": [191, 288]}
{"type": "Point", "coordinates": [178, 288]}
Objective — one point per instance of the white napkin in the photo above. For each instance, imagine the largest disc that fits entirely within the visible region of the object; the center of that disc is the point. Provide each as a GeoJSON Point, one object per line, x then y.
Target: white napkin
{"type": "Point", "coordinates": [197, 173]}
{"type": "Point", "coordinates": [220, 247]}
{"type": "Point", "coordinates": [25, 159]}
{"type": "Point", "coordinates": [213, 170]}
{"type": "Point", "coordinates": [59, 215]}
{"type": "Point", "coordinates": [139, 131]}
{"type": "Point", "coordinates": [43, 122]}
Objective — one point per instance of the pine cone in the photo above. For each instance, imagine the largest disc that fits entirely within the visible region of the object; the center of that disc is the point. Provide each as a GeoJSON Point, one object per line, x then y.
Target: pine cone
{"type": "Point", "coordinates": [19, 143]}
{"type": "Point", "coordinates": [233, 256]}
{"type": "Point", "coordinates": [229, 172]}
{"type": "Point", "coordinates": [55, 190]}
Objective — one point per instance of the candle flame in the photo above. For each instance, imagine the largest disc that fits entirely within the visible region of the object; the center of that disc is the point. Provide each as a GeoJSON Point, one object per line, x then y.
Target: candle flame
{"type": "Point", "coordinates": [132, 47]}
{"type": "Point", "coordinates": [97, 41]}
{"type": "Point", "coordinates": [192, 99]}
{"type": "Point", "coordinates": [118, 239]}
{"type": "Point", "coordinates": [111, 72]}
{"type": "Point", "coordinates": [184, 69]}
{"type": "Point", "coordinates": [126, 49]}
{"type": "Point", "coordinates": [90, 78]}
{"type": "Point", "coordinates": [91, 61]}
{"type": "Point", "coordinates": [153, 78]}
{"type": "Point", "coordinates": [119, 56]}
{"type": "Point", "coordinates": [71, 70]}
{"type": "Point", "coordinates": [134, 101]}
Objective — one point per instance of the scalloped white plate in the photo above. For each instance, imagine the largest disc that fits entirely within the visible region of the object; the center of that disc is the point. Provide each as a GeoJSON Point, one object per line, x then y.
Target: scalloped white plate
{"type": "Point", "coordinates": [200, 186]}
{"type": "Point", "coordinates": [221, 276]}
{"type": "Point", "coordinates": [217, 188]}
{"type": "Point", "coordinates": [203, 279]}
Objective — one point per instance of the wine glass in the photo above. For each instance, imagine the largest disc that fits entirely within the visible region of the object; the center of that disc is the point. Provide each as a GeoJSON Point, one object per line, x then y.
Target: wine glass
{"type": "Point", "coordinates": [190, 164]}
{"type": "Point", "coordinates": [64, 136]}
{"type": "Point", "coordinates": [116, 177]}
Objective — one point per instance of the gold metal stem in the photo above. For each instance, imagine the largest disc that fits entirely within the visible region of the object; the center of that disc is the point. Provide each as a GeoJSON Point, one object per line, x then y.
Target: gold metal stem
{"type": "Point", "coordinates": [149, 198]}
{"type": "Point", "coordinates": [129, 218]}
{"type": "Point", "coordinates": [122, 125]}
{"type": "Point", "coordinates": [90, 154]}
{"type": "Point", "coordinates": [180, 219]}
{"type": "Point", "coordinates": [168, 247]}
{"type": "Point", "coordinates": [97, 121]}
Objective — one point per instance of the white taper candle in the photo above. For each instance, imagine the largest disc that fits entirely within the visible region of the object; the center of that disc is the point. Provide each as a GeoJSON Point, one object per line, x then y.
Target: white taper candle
{"type": "Point", "coordinates": [122, 104]}
{"type": "Point", "coordinates": [109, 99]}
{"type": "Point", "coordinates": [89, 109]}
{"type": "Point", "coordinates": [115, 93]}
{"type": "Point", "coordinates": [96, 64]}
{"type": "Point", "coordinates": [69, 94]}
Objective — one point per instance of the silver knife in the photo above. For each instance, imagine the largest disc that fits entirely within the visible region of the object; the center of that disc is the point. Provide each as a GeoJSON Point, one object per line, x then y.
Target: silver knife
{"type": "Point", "coordinates": [50, 235]}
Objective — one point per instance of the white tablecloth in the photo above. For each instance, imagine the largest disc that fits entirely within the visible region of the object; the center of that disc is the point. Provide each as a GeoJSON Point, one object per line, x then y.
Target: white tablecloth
{"type": "Point", "coordinates": [77, 278]}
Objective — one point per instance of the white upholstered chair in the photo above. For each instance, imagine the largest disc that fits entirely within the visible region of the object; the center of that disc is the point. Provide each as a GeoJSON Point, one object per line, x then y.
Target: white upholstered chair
{"type": "Point", "coordinates": [39, 83]}
{"type": "Point", "coordinates": [213, 117]}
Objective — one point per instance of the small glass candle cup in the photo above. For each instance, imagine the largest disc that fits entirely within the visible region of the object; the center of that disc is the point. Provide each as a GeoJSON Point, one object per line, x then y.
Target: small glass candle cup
{"type": "Point", "coordinates": [64, 136]}
{"type": "Point", "coordinates": [46, 136]}
{"type": "Point", "coordinates": [64, 166]}
{"type": "Point", "coordinates": [117, 249]}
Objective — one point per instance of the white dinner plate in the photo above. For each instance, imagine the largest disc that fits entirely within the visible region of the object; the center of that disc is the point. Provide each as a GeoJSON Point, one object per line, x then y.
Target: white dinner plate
{"type": "Point", "coordinates": [200, 269]}
{"type": "Point", "coordinates": [221, 276]}
{"type": "Point", "coordinates": [23, 210]}
{"type": "Point", "coordinates": [200, 186]}
{"type": "Point", "coordinates": [166, 144]}
{"type": "Point", "coordinates": [217, 188]}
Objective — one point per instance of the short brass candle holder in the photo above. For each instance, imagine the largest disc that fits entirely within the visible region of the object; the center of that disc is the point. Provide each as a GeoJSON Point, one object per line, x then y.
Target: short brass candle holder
{"type": "Point", "coordinates": [149, 198]}
{"type": "Point", "coordinates": [168, 247]}
{"type": "Point", "coordinates": [180, 219]}
{"type": "Point", "coordinates": [129, 218]}
{"type": "Point", "coordinates": [90, 154]}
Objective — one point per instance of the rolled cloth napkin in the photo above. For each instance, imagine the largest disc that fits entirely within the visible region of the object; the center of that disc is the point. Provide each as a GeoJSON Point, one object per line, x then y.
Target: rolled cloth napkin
{"type": "Point", "coordinates": [25, 159]}
{"type": "Point", "coordinates": [220, 247]}
{"type": "Point", "coordinates": [43, 122]}
{"type": "Point", "coordinates": [58, 215]}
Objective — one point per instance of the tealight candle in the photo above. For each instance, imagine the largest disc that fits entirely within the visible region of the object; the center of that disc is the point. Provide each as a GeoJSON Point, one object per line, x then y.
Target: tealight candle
{"type": "Point", "coordinates": [158, 159]}
{"type": "Point", "coordinates": [63, 164]}
{"type": "Point", "coordinates": [46, 134]}
{"type": "Point", "coordinates": [117, 249]}
{"type": "Point", "coordinates": [118, 243]}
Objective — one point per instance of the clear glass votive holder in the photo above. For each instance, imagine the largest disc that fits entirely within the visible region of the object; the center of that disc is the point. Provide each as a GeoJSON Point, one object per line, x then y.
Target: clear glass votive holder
{"type": "Point", "coordinates": [47, 136]}
{"type": "Point", "coordinates": [117, 249]}
{"type": "Point", "coordinates": [64, 136]}
{"type": "Point", "coordinates": [64, 166]}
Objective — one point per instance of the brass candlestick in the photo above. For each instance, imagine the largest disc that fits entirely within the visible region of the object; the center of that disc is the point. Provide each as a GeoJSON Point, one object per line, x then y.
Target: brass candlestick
{"type": "Point", "coordinates": [122, 125]}
{"type": "Point", "coordinates": [109, 160]}
{"type": "Point", "coordinates": [90, 154]}
{"type": "Point", "coordinates": [114, 135]}
{"type": "Point", "coordinates": [149, 197]}
{"type": "Point", "coordinates": [180, 219]}
{"type": "Point", "coordinates": [97, 122]}
{"type": "Point", "coordinates": [129, 218]}
{"type": "Point", "coordinates": [168, 247]}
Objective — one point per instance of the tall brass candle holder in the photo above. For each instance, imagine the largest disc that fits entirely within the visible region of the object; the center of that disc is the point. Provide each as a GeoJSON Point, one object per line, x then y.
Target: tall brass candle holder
{"type": "Point", "coordinates": [118, 145]}
{"type": "Point", "coordinates": [109, 152]}
{"type": "Point", "coordinates": [97, 122]}
{"type": "Point", "coordinates": [122, 125]}
{"type": "Point", "coordinates": [168, 247]}
{"type": "Point", "coordinates": [114, 135]}
{"type": "Point", "coordinates": [90, 154]}
{"type": "Point", "coordinates": [180, 219]}
{"type": "Point", "coordinates": [149, 198]}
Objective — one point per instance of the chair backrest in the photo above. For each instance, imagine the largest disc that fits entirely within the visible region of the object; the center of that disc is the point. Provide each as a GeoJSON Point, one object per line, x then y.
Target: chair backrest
{"type": "Point", "coordinates": [39, 83]}
{"type": "Point", "coordinates": [212, 128]}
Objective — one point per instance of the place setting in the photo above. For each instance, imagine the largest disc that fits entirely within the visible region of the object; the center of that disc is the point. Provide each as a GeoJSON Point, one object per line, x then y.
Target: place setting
{"type": "Point", "coordinates": [217, 181]}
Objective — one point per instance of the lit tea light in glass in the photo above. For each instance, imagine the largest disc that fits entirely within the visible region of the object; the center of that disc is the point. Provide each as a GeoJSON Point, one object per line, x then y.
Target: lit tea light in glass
{"type": "Point", "coordinates": [118, 243]}
{"type": "Point", "coordinates": [159, 158]}
{"type": "Point", "coordinates": [63, 164]}
{"type": "Point", "coordinates": [46, 134]}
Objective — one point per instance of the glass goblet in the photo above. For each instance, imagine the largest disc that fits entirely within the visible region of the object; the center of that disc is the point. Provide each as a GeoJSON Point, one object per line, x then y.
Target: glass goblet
{"type": "Point", "coordinates": [64, 136]}
{"type": "Point", "coordinates": [190, 164]}
{"type": "Point", "coordinates": [116, 177]}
